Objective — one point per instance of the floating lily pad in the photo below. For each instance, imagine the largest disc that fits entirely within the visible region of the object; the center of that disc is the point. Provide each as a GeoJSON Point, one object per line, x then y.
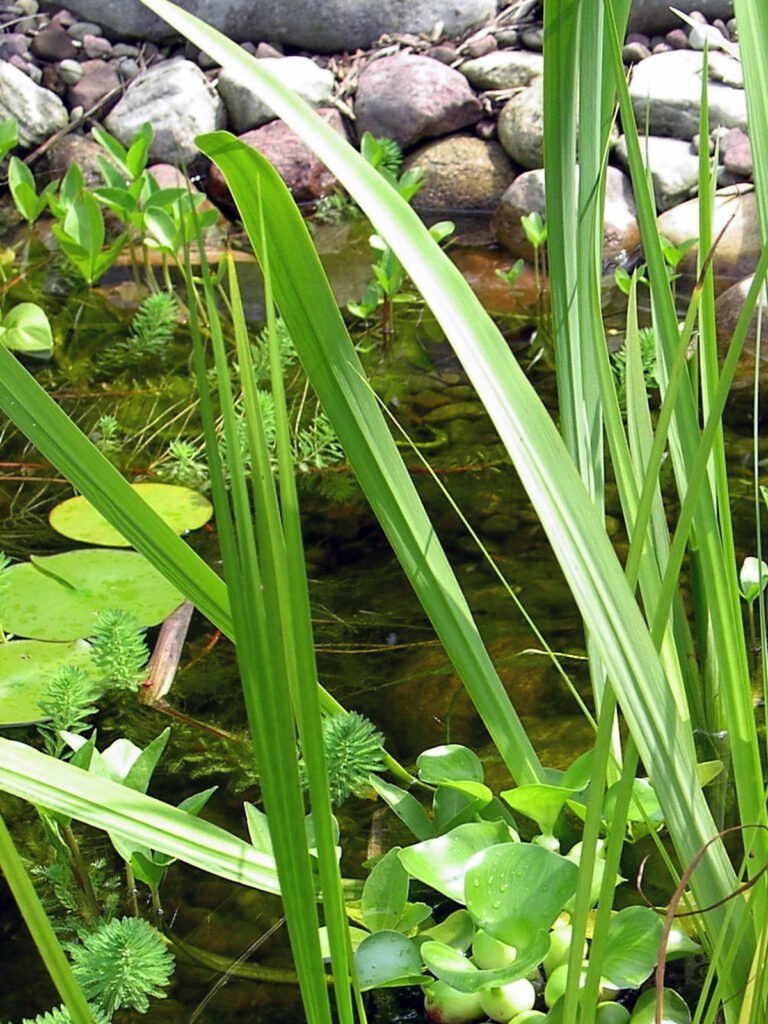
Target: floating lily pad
{"type": "Point", "coordinates": [181, 508]}
{"type": "Point", "coordinates": [25, 667]}
{"type": "Point", "coordinates": [58, 597]}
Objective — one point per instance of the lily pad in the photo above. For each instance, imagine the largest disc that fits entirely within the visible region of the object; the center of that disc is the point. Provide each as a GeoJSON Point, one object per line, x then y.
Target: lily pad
{"type": "Point", "coordinates": [25, 667]}
{"type": "Point", "coordinates": [58, 597]}
{"type": "Point", "coordinates": [181, 508]}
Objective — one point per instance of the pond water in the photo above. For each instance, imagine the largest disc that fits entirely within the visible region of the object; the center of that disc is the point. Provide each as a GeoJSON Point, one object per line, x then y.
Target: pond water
{"type": "Point", "coordinates": [376, 652]}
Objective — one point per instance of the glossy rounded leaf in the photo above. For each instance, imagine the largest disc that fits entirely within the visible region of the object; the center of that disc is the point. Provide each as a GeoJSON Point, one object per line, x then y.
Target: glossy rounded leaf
{"type": "Point", "coordinates": [632, 946]}
{"type": "Point", "coordinates": [442, 862]}
{"type": "Point", "coordinates": [675, 1009]}
{"type": "Point", "coordinates": [457, 930]}
{"type": "Point", "coordinates": [539, 802]}
{"type": "Point", "coordinates": [25, 328]}
{"type": "Point", "coordinates": [181, 508]}
{"type": "Point", "coordinates": [643, 807]}
{"type": "Point", "coordinates": [58, 597]}
{"type": "Point", "coordinates": [452, 967]}
{"type": "Point", "coordinates": [387, 959]}
{"type": "Point", "coordinates": [449, 763]}
{"type": "Point", "coordinates": [514, 891]}
{"type": "Point", "coordinates": [25, 667]}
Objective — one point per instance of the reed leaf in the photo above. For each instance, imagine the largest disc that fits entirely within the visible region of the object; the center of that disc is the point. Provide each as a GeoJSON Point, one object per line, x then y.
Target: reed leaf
{"type": "Point", "coordinates": [131, 816]}
{"type": "Point", "coordinates": [573, 526]}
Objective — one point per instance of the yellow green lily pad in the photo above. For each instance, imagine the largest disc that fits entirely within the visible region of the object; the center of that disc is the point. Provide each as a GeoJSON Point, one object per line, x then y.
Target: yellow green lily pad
{"type": "Point", "coordinates": [58, 597]}
{"type": "Point", "coordinates": [25, 668]}
{"type": "Point", "coordinates": [182, 509]}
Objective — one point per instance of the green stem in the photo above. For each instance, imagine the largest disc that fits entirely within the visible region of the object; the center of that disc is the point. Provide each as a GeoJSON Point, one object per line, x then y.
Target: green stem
{"type": "Point", "coordinates": [81, 873]}
{"type": "Point", "coordinates": [131, 880]}
{"type": "Point", "coordinates": [41, 930]}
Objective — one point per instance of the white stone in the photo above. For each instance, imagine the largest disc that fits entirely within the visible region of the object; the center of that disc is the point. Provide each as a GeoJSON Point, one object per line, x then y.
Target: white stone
{"type": "Point", "coordinates": [668, 85]}
{"type": "Point", "coordinates": [503, 69]}
{"type": "Point", "coordinates": [246, 110]}
{"type": "Point", "coordinates": [39, 112]}
{"type": "Point", "coordinates": [177, 100]}
{"type": "Point", "coordinates": [674, 167]}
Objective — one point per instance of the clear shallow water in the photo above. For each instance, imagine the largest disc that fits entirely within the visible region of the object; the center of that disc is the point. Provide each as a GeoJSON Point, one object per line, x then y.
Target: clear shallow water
{"type": "Point", "coordinates": [376, 652]}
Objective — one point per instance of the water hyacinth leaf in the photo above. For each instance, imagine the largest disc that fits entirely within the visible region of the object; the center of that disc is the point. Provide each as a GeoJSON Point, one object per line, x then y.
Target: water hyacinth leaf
{"type": "Point", "coordinates": [457, 930]}
{"type": "Point", "coordinates": [387, 959]}
{"type": "Point", "coordinates": [753, 576]}
{"type": "Point", "coordinates": [58, 597]}
{"type": "Point", "coordinates": [539, 802]}
{"type": "Point", "coordinates": [516, 890]}
{"type": "Point", "coordinates": [413, 915]}
{"type": "Point", "coordinates": [675, 1010]}
{"type": "Point", "coordinates": [442, 862]}
{"type": "Point", "coordinates": [452, 967]}
{"type": "Point", "coordinates": [25, 667]}
{"type": "Point", "coordinates": [644, 807]}
{"type": "Point", "coordinates": [632, 948]}
{"type": "Point", "coordinates": [449, 763]}
{"type": "Point", "coordinates": [25, 328]}
{"type": "Point", "coordinates": [180, 507]}
{"type": "Point", "coordinates": [356, 936]}
{"type": "Point", "coordinates": [385, 893]}
{"type": "Point", "coordinates": [680, 944]}
{"type": "Point", "coordinates": [459, 803]}
{"type": "Point", "coordinates": [405, 806]}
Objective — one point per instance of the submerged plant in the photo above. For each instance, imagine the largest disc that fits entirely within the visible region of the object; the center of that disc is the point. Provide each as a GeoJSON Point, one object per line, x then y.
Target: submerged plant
{"type": "Point", "coordinates": [118, 650]}
{"type": "Point", "coordinates": [353, 750]}
{"type": "Point", "coordinates": [106, 434]}
{"type": "Point", "coordinates": [122, 964]}
{"type": "Point", "coordinates": [647, 340]}
{"type": "Point", "coordinates": [182, 464]}
{"type": "Point", "coordinates": [67, 700]}
{"type": "Point", "coordinates": [151, 331]}
{"type": "Point", "coordinates": [61, 1015]}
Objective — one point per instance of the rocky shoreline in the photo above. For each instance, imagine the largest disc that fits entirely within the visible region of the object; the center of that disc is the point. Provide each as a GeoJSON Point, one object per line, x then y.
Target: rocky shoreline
{"type": "Point", "coordinates": [465, 107]}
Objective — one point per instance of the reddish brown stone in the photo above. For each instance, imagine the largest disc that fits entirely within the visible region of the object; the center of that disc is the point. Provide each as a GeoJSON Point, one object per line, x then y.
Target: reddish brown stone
{"type": "Point", "coordinates": [409, 98]}
{"type": "Point", "coordinates": [307, 178]}
{"type": "Point", "coordinates": [99, 78]}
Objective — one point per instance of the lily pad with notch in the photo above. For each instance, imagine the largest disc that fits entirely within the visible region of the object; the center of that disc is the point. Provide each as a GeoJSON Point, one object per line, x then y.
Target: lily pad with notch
{"type": "Point", "coordinates": [180, 507]}
{"type": "Point", "coordinates": [58, 597]}
{"type": "Point", "coordinates": [25, 667]}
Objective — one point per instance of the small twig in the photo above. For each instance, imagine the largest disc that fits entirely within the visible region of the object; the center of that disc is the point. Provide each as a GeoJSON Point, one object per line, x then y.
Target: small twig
{"type": "Point", "coordinates": [45, 146]}
{"type": "Point", "coordinates": [162, 666]}
{"type": "Point", "coordinates": [675, 901]}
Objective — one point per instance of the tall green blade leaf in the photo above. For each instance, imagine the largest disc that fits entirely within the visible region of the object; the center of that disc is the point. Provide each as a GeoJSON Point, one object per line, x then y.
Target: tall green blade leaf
{"type": "Point", "coordinates": [131, 816]}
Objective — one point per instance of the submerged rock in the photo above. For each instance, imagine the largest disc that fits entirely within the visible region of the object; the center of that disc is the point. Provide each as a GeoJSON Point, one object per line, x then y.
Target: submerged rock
{"type": "Point", "coordinates": [178, 101]}
{"type": "Point", "coordinates": [409, 98]}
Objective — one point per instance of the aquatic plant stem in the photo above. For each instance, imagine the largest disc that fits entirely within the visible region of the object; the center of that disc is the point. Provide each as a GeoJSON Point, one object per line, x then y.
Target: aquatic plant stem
{"type": "Point", "coordinates": [130, 880]}
{"type": "Point", "coordinates": [81, 872]}
{"type": "Point", "coordinates": [41, 929]}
